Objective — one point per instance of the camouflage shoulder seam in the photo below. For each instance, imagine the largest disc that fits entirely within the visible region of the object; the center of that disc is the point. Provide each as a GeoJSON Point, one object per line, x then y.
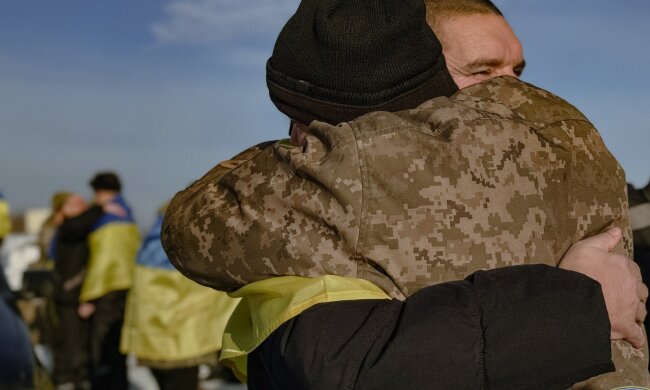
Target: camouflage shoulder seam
{"type": "Point", "coordinates": [564, 120]}
{"type": "Point", "coordinates": [363, 212]}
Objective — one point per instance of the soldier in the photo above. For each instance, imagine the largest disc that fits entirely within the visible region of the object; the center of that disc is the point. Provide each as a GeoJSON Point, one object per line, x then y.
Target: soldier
{"type": "Point", "coordinates": [389, 204]}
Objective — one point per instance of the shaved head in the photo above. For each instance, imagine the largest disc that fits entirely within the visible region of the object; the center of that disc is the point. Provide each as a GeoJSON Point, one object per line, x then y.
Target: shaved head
{"type": "Point", "coordinates": [477, 41]}
{"type": "Point", "coordinates": [440, 10]}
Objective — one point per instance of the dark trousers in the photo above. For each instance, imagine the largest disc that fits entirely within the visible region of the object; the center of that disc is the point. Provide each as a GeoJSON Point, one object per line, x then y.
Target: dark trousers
{"type": "Point", "coordinates": [177, 379]}
{"type": "Point", "coordinates": [70, 345]}
{"type": "Point", "coordinates": [108, 365]}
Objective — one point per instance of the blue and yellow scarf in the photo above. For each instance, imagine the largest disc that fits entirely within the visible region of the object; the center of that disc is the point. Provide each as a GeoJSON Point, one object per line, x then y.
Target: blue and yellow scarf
{"type": "Point", "coordinates": [114, 243]}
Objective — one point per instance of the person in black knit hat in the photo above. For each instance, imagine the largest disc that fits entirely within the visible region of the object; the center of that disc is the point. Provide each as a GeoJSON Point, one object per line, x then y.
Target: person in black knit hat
{"type": "Point", "coordinates": [337, 60]}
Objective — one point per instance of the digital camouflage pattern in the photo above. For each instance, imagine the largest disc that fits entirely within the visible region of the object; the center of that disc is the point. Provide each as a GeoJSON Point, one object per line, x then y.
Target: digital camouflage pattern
{"type": "Point", "coordinates": [502, 173]}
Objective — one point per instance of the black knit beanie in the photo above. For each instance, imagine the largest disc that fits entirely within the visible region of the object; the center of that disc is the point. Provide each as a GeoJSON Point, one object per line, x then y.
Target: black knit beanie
{"type": "Point", "coordinates": [336, 60]}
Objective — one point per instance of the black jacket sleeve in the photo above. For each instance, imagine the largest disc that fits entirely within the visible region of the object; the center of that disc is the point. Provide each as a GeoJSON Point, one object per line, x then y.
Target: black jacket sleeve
{"type": "Point", "coordinates": [543, 327]}
{"type": "Point", "coordinates": [523, 327]}
{"type": "Point", "coordinates": [77, 228]}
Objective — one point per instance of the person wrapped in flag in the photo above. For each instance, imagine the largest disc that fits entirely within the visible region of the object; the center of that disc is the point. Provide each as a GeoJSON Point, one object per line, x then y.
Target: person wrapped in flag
{"type": "Point", "coordinates": [114, 241]}
{"type": "Point", "coordinates": [172, 324]}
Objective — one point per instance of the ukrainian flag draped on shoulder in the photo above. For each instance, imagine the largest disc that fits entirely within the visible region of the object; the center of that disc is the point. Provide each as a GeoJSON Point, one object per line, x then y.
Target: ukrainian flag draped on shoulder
{"type": "Point", "coordinates": [114, 243]}
{"type": "Point", "coordinates": [267, 304]}
{"type": "Point", "coordinates": [5, 217]}
{"type": "Point", "coordinates": [170, 318]}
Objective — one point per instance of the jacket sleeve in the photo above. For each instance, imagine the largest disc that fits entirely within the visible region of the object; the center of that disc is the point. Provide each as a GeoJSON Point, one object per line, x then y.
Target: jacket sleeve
{"type": "Point", "coordinates": [77, 228]}
{"type": "Point", "coordinates": [188, 245]}
{"type": "Point", "coordinates": [519, 327]}
{"type": "Point", "coordinates": [543, 327]}
{"type": "Point", "coordinates": [523, 327]}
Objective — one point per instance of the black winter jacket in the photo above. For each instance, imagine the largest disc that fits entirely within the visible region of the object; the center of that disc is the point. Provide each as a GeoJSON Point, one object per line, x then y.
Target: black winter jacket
{"type": "Point", "coordinates": [523, 327]}
{"type": "Point", "coordinates": [72, 253]}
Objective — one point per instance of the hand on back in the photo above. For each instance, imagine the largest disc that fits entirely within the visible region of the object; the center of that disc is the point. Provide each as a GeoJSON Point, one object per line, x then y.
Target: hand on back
{"type": "Point", "coordinates": [620, 279]}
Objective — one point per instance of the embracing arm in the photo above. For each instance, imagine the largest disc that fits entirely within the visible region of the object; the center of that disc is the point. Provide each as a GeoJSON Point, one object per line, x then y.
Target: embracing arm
{"type": "Point", "coordinates": [524, 327]}
{"type": "Point", "coordinates": [77, 228]}
{"type": "Point", "coordinates": [186, 245]}
{"type": "Point", "coordinates": [536, 319]}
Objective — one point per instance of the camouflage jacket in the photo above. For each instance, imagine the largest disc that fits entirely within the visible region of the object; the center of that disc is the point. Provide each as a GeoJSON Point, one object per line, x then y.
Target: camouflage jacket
{"type": "Point", "coordinates": [502, 173]}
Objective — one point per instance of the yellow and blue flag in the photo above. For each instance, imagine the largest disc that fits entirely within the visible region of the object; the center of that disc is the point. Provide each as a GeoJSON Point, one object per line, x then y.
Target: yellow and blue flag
{"type": "Point", "coordinates": [114, 243]}
{"type": "Point", "coordinates": [5, 217]}
{"type": "Point", "coordinates": [170, 318]}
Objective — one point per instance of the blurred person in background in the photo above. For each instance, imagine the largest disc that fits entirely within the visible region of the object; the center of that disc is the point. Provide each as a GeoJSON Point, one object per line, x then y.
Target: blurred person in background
{"type": "Point", "coordinates": [172, 324]}
{"type": "Point", "coordinates": [640, 221]}
{"type": "Point", "coordinates": [73, 219]}
{"type": "Point", "coordinates": [16, 363]}
{"type": "Point", "coordinates": [5, 219]}
{"type": "Point", "coordinates": [113, 242]}
{"type": "Point", "coordinates": [47, 234]}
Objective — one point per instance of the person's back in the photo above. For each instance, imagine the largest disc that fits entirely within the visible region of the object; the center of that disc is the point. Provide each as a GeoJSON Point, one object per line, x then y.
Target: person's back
{"type": "Point", "coordinates": [500, 172]}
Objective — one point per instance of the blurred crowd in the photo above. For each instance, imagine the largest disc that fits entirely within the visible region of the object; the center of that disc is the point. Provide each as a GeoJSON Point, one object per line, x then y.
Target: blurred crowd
{"type": "Point", "coordinates": [100, 293]}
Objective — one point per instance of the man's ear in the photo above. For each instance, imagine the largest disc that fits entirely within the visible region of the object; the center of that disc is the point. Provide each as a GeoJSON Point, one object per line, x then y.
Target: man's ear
{"type": "Point", "coordinates": [298, 133]}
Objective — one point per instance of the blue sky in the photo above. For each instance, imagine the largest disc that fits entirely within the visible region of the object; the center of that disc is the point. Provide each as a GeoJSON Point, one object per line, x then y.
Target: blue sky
{"type": "Point", "coordinates": [160, 91]}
